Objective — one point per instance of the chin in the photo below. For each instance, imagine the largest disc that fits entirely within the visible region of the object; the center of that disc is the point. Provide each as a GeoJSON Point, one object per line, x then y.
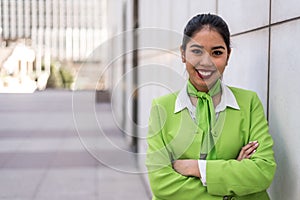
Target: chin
{"type": "Point", "coordinates": [205, 85]}
{"type": "Point", "coordinates": [201, 86]}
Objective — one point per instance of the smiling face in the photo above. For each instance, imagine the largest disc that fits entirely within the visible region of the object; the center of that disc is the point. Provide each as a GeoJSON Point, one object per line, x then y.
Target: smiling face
{"type": "Point", "coordinates": [205, 57]}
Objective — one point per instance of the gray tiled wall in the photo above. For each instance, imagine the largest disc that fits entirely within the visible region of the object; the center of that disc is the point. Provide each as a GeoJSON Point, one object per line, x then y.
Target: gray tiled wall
{"type": "Point", "coordinates": [266, 36]}
{"type": "Point", "coordinates": [284, 9]}
{"type": "Point", "coordinates": [244, 15]}
{"type": "Point", "coordinates": [285, 108]}
{"type": "Point", "coordinates": [248, 65]}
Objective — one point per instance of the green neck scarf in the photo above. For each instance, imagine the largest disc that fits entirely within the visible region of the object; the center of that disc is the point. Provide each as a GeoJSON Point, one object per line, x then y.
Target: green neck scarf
{"type": "Point", "coordinates": [205, 115]}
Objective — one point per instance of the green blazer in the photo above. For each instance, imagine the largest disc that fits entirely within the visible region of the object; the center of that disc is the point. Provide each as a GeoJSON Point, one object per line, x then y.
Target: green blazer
{"type": "Point", "coordinates": [173, 136]}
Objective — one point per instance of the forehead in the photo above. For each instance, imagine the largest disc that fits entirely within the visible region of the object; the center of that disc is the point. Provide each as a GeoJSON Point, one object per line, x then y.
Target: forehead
{"type": "Point", "coordinates": [207, 37]}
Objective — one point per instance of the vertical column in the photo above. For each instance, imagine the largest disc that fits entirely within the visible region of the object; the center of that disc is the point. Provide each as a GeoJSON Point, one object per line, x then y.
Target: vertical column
{"type": "Point", "coordinates": [76, 33]}
{"type": "Point", "coordinates": [89, 18]}
{"type": "Point", "coordinates": [83, 24]}
{"type": "Point", "coordinates": [99, 12]}
{"type": "Point", "coordinates": [35, 35]}
{"type": "Point", "coordinates": [27, 19]}
{"type": "Point", "coordinates": [69, 30]}
{"type": "Point", "coordinates": [48, 13]}
{"type": "Point", "coordinates": [20, 19]}
{"type": "Point", "coordinates": [100, 34]}
{"type": "Point", "coordinates": [135, 75]}
{"type": "Point", "coordinates": [48, 26]}
{"type": "Point", "coordinates": [41, 33]}
{"type": "Point", "coordinates": [55, 13]}
{"type": "Point", "coordinates": [5, 4]}
{"type": "Point", "coordinates": [34, 14]}
{"type": "Point", "coordinates": [54, 31]}
{"type": "Point", "coordinates": [124, 63]}
{"type": "Point", "coordinates": [41, 13]}
{"type": "Point", "coordinates": [62, 28]}
{"type": "Point", "coordinates": [103, 20]}
{"type": "Point", "coordinates": [13, 19]}
{"type": "Point", "coordinates": [269, 60]}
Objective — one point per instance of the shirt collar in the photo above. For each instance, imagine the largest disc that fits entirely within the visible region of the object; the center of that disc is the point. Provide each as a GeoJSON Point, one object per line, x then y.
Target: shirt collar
{"type": "Point", "coordinates": [227, 100]}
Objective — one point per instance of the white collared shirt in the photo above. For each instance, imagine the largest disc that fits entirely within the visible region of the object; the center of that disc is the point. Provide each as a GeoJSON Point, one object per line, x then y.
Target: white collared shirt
{"type": "Point", "coordinates": [183, 102]}
{"type": "Point", "coordinates": [227, 100]}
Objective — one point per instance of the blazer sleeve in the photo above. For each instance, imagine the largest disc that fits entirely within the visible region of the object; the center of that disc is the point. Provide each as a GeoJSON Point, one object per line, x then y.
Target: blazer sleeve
{"type": "Point", "coordinates": [165, 182]}
{"type": "Point", "coordinates": [232, 177]}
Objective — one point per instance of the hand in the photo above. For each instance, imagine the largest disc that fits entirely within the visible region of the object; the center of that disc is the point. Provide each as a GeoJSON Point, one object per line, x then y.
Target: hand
{"type": "Point", "coordinates": [248, 150]}
{"type": "Point", "coordinates": [187, 167]}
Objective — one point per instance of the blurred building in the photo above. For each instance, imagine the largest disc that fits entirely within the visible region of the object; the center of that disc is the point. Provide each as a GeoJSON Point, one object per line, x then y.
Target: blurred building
{"type": "Point", "coordinates": [64, 30]}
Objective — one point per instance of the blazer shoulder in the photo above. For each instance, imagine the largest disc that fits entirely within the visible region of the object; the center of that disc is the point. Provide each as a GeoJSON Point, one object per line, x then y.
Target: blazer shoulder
{"type": "Point", "coordinates": [245, 97]}
{"type": "Point", "coordinates": [242, 93]}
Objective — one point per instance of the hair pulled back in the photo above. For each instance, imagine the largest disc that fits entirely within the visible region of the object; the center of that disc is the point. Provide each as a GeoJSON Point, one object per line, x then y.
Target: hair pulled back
{"type": "Point", "coordinates": [200, 21]}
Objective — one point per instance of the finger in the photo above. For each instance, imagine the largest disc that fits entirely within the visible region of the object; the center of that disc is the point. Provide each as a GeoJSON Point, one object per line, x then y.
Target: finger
{"type": "Point", "coordinates": [249, 156]}
{"type": "Point", "coordinates": [251, 149]}
{"type": "Point", "coordinates": [249, 145]}
{"type": "Point", "coordinates": [243, 153]}
{"type": "Point", "coordinates": [247, 150]}
{"type": "Point", "coordinates": [241, 156]}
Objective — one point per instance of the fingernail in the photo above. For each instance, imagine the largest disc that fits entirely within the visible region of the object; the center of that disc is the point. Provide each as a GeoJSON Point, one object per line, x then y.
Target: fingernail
{"type": "Point", "coordinates": [253, 142]}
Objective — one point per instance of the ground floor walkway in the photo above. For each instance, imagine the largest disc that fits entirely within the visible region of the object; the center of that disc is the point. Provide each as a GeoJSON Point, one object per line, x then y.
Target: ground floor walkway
{"type": "Point", "coordinates": [51, 148]}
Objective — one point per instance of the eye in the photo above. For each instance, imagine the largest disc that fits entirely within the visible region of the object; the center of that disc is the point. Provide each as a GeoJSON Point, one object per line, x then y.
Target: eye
{"type": "Point", "coordinates": [218, 53]}
{"type": "Point", "coordinates": [196, 51]}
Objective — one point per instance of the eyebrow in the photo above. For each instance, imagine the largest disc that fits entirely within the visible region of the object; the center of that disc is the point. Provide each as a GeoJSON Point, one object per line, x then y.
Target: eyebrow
{"type": "Point", "coordinates": [196, 45]}
{"type": "Point", "coordinates": [218, 47]}
{"type": "Point", "coordinates": [201, 47]}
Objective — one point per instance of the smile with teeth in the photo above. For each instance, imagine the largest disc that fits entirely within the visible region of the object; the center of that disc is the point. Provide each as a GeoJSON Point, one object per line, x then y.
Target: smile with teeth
{"type": "Point", "coordinates": [204, 73]}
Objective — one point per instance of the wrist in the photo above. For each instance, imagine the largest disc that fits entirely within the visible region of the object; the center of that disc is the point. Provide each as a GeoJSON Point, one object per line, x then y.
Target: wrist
{"type": "Point", "coordinates": [194, 169]}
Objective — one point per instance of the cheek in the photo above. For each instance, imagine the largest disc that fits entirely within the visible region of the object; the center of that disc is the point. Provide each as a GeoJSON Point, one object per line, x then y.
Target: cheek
{"type": "Point", "coordinates": [189, 68]}
{"type": "Point", "coordinates": [221, 66]}
{"type": "Point", "coordinates": [190, 64]}
{"type": "Point", "coordinates": [191, 61]}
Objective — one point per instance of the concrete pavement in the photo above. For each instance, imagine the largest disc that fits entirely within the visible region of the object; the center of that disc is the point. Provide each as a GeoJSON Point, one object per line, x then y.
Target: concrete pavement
{"type": "Point", "coordinates": [46, 154]}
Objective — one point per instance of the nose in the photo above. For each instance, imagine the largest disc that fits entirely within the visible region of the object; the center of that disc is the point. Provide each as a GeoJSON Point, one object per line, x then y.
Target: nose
{"type": "Point", "coordinates": [206, 60]}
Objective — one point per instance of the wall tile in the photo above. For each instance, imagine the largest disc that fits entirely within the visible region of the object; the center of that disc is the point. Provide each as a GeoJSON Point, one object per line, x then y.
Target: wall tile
{"type": "Point", "coordinates": [179, 15]}
{"type": "Point", "coordinates": [248, 64]}
{"type": "Point", "coordinates": [285, 9]}
{"type": "Point", "coordinates": [202, 6]}
{"type": "Point", "coordinates": [244, 15]}
{"type": "Point", "coordinates": [155, 13]}
{"type": "Point", "coordinates": [285, 109]}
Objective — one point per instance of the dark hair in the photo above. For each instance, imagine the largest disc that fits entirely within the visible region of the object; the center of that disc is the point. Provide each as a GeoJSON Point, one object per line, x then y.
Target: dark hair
{"type": "Point", "coordinates": [198, 22]}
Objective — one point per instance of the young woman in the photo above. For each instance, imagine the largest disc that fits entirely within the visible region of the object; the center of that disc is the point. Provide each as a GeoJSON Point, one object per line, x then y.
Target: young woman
{"type": "Point", "coordinates": [208, 141]}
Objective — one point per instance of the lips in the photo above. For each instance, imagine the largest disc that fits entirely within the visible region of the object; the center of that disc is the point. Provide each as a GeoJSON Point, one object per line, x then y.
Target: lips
{"type": "Point", "coordinates": [204, 74]}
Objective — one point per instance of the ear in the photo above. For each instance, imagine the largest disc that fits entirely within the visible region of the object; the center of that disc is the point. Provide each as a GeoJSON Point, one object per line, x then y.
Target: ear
{"type": "Point", "coordinates": [182, 54]}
